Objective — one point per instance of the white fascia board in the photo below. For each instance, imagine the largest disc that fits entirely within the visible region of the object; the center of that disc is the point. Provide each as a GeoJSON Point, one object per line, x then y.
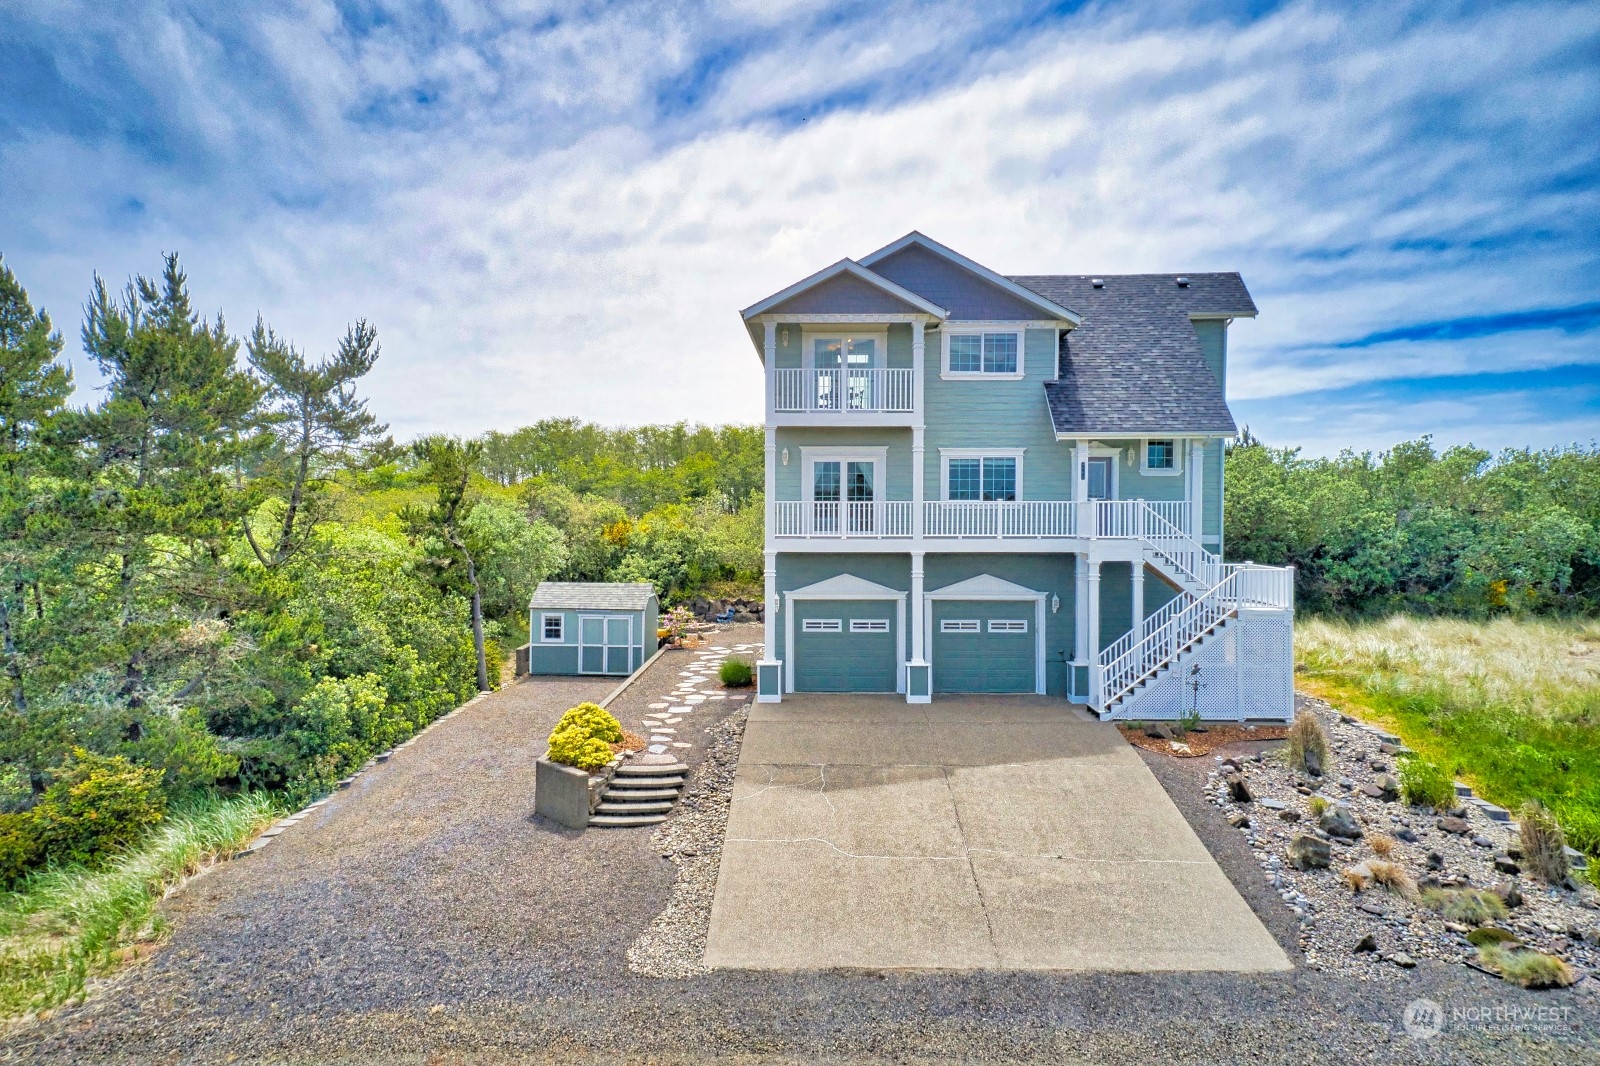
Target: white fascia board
{"type": "Point", "coordinates": [1147, 434]}
{"type": "Point", "coordinates": [1049, 307]}
{"type": "Point", "coordinates": [1206, 316]}
{"type": "Point", "coordinates": [847, 266]}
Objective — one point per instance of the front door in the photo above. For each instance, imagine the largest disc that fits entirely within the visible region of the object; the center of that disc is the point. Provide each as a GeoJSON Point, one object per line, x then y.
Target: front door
{"type": "Point", "coordinates": [619, 645]}
{"type": "Point", "coordinates": [853, 480]}
{"type": "Point", "coordinates": [605, 644]}
{"type": "Point", "coordinates": [1100, 470]}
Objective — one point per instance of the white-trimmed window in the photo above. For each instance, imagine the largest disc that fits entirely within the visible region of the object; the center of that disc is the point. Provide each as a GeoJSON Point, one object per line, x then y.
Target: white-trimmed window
{"type": "Point", "coordinates": [958, 625]}
{"type": "Point", "coordinates": [552, 629]}
{"type": "Point", "coordinates": [869, 625]}
{"type": "Point", "coordinates": [974, 353]}
{"type": "Point", "coordinates": [982, 475]}
{"type": "Point", "coordinates": [1161, 457]}
{"type": "Point", "coordinates": [821, 625]}
{"type": "Point", "coordinates": [1008, 625]}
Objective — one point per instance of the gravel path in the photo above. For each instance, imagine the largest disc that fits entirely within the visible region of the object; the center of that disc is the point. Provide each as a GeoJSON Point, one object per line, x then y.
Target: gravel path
{"type": "Point", "coordinates": [423, 916]}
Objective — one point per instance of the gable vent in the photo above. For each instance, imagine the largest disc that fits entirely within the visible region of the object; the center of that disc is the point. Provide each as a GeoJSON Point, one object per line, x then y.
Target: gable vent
{"type": "Point", "coordinates": [1183, 283]}
{"type": "Point", "coordinates": [1098, 283]}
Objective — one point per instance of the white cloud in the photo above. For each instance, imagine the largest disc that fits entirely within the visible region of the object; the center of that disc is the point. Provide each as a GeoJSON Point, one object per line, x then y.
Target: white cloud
{"type": "Point", "coordinates": [1354, 166]}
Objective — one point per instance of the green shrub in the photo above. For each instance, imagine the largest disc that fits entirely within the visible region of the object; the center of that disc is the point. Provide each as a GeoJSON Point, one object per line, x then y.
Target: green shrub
{"type": "Point", "coordinates": [575, 747]}
{"type": "Point", "coordinates": [1470, 906]}
{"type": "Point", "coordinates": [1422, 784]}
{"type": "Point", "coordinates": [736, 673]}
{"type": "Point", "coordinates": [1491, 934]}
{"type": "Point", "coordinates": [1307, 748]}
{"type": "Point", "coordinates": [1530, 969]}
{"type": "Point", "coordinates": [1318, 805]}
{"type": "Point", "coordinates": [20, 847]}
{"type": "Point", "coordinates": [1592, 871]}
{"type": "Point", "coordinates": [1543, 843]}
{"type": "Point", "coordinates": [96, 806]}
{"type": "Point", "coordinates": [594, 720]}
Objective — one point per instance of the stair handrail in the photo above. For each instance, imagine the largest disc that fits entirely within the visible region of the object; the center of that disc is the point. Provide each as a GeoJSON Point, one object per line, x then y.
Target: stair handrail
{"type": "Point", "coordinates": [1120, 675]}
{"type": "Point", "coordinates": [1158, 532]}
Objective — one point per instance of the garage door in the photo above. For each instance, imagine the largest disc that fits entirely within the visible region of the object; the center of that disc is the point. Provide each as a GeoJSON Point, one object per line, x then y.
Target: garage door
{"type": "Point", "coordinates": [845, 646]}
{"type": "Point", "coordinates": [983, 646]}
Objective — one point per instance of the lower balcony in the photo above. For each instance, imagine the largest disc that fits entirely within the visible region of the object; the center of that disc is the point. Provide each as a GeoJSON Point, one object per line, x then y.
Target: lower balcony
{"type": "Point", "coordinates": [984, 520]}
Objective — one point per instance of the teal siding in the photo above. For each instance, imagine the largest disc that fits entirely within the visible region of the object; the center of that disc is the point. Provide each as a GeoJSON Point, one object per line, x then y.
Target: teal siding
{"type": "Point", "coordinates": [1211, 505]}
{"type": "Point", "coordinates": [563, 657]}
{"type": "Point", "coordinates": [900, 353]}
{"type": "Point", "coordinates": [788, 354]}
{"type": "Point", "coordinates": [998, 414]}
{"type": "Point", "coordinates": [1213, 335]}
{"type": "Point", "coordinates": [984, 661]}
{"type": "Point", "coordinates": [1116, 601]}
{"type": "Point", "coordinates": [1134, 484]}
{"type": "Point", "coordinates": [1050, 574]}
{"type": "Point", "coordinates": [790, 479]}
{"type": "Point", "coordinates": [1157, 593]}
{"type": "Point", "coordinates": [846, 661]}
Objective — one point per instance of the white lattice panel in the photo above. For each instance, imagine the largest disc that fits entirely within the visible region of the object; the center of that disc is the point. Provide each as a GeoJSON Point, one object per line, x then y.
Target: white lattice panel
{"type": "Point", "coordinates": [1245, 670]}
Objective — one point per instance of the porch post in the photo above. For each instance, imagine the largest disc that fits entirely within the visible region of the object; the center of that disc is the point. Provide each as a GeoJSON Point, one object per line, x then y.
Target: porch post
{"type": "Point", "coordinates": [919, 472]}
{"type": "Point", "coordinates": [1096, 696]}
{"type": "Point", "coordinates": [919, 675]}
{"type": "Point", "coordinates": [1197, 472]}
{"type": "Point", "coordinates": [770, 358]}
{"type": "Point", "coordinates": [769, 670]}
{"type": "Point", "coordinates": [1080, 488]}
{"type": "Point", "coordinates": [1080, 619]}
{"type": "Point", "coordinates": [1138, 595]}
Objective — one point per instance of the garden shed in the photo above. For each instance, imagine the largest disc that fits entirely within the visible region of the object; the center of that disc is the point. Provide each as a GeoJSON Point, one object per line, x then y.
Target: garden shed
{"type": "Point", "coordinates": [591, 627]}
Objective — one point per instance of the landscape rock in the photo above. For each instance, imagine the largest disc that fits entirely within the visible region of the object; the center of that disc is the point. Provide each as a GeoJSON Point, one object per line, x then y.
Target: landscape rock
{"type": "Point", "coordinates": [1435, 861]}
{"type": "Point", "coordinates": [1308, 852]}
{"type": "Point", "coordinates": [1405, 834]}
{"type": "Point", "coordinates": [1367, 943]}
{"type": "Point", "coordinates": [1389, 788]}
{"type": "Point", "coordinates": [1509, 894]}
{"type": "Point", "coordinates": [1289, 814]}
{"type": "Point", "coordinates": [1506, 865]}
{"type": "Point", "coordinates": [1482, 842]}
{"type": "Point", "coordinates": [1454, 825]}
{"type": "Point", "coordinates": [1404, 961]}
{"type": "Point", "coordinates": [1339, 822]}
{"type": "Point", "coordinates": [1239, 820]}
{"type": "Point", "coordinates": [1158, 731]}
{"type": "Point", "coordinates": [1239, 789]}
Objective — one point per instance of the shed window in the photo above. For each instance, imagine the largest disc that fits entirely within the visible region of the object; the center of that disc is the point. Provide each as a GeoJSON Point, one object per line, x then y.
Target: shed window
{"type": "Point", "coordinates": [1008, 625]}
{"type": "Point", "coordinates": [869, 625]}
{"type": "Point", "coordinates": [551, 627]}
{"type": "Point", "coordinates": [958, 625]}
{"type": "Point", "coordinates": [821, 625]}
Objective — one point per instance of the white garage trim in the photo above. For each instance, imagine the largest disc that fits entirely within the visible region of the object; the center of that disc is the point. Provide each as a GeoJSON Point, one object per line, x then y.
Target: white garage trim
{"type": "Point", "coordinates": [844, 587]}
{"type": "Point", "coordinates": [988, 587]}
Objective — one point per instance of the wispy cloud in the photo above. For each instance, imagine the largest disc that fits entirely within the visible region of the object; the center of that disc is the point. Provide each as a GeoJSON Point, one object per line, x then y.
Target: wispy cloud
{"type": "Point", "coordinates": [555, 208]}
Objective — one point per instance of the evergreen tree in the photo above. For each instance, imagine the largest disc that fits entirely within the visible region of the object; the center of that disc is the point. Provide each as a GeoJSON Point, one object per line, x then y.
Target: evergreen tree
{"type": "Point", "coordinates": [159, 496]}
{"type": "Point", "coordinates": [317, 418]}
{"type": "Point", "coordinates": [448, 466]}
{"type": "Point", "coordinates": [34, 388]}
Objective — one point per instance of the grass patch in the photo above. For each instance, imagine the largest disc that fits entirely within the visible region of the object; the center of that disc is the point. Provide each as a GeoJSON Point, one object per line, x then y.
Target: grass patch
{"type": "Point", "coordinates": [1469, 906]}
{"type": "Point", "coordinates": [1530, 969]}
{"type": "Point", "coordinates": [68, 924]}
{"type": "Point", "coordinates": [1511, 706]}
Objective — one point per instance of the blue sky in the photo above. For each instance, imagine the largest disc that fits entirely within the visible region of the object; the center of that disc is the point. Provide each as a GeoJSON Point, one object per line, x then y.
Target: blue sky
{"type": "Point", "coordinates": [556, 208]}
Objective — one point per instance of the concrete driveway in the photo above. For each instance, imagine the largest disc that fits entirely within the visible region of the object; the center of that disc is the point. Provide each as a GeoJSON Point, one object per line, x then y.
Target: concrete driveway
{"type": "Point", "coordinates": [985, 832]}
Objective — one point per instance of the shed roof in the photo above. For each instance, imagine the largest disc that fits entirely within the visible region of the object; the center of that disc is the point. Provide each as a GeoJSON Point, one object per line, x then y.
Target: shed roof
{"type": "Point", "coordinates": [592, 595]}
{"type": "Point", "coordinates": [1134, 366]}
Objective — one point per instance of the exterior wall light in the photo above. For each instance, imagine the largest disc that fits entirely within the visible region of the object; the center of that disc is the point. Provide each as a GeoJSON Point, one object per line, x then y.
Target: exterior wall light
{"type": "Point", "coordinates": [783, 336]}
{"type": "Point", "coordinates": [1055, 604]}
{"type": "Point", "coordinates": [785, 457]}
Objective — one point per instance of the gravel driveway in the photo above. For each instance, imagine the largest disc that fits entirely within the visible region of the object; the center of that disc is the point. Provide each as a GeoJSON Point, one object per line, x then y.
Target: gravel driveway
{"type": "Point", "coordinates": [423, 916]}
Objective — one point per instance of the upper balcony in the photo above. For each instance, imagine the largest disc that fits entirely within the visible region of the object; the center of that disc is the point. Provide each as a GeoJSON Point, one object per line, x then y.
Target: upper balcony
{"type": "Point", "coordinates": [854, 392]}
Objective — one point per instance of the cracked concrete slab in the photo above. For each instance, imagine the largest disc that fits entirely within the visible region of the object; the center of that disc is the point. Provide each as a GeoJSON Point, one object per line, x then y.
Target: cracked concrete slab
{"type": "Point", "coordinates": [976, 833]}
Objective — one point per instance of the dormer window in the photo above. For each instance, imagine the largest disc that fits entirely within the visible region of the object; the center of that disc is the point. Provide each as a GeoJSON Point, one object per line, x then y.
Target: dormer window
{"type": "Point", "coordinates": [975, 353]}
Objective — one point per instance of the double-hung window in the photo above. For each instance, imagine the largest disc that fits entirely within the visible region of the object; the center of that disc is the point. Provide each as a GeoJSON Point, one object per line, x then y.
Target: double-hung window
{"type": "Point", "coordinates": [988, 478]}
{"type": "Point", "coordinates": [550, 629]}
{"type": "Point", "coordinates": [977, 354]}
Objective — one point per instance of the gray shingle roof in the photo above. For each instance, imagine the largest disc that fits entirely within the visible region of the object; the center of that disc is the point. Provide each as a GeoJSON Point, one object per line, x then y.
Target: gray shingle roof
{"type": "Point", "coordinates": [592, 596]}
{"type": "Point", "coordinates": [1134, 366]}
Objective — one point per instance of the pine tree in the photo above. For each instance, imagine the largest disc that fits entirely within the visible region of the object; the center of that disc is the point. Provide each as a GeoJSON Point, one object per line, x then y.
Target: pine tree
{"type": "Point", "coordinates": [34, 388]}
{"type": "Point", "coordinates": [448, 466]}
{"type": "Point", "coordinates": [317, 418]}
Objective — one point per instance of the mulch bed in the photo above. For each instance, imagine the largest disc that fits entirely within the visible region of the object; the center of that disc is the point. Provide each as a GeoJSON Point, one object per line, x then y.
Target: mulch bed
{"type": "Point", "coordinates": [1193, 745]}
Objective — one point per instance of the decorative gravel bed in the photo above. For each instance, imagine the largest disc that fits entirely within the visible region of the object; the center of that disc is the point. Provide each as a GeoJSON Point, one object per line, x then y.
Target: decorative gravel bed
{"type": "Point", "coordinates": [692, 841]}
{"type": "Point", "coordinates": [1378, 933]}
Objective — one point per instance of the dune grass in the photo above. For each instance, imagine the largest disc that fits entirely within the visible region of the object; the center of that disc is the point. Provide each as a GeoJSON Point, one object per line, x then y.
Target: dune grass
{"type": "Point", "coordinates": [69, 924]}
{"type": "Point", "coordinates": [1510, 706]}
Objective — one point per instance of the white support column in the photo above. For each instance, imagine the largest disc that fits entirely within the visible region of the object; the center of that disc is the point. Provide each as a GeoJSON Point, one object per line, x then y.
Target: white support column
{"type": "Point", "coordinates": [919, 675]}
{"type": "Point", "coordinates": [919, 469]}
{"type": "Point", "coordinates": [1197, 474]}
{"type": "Point", "coordinates": [1093, 626]}
{"type": "Point", "coordinates": [1080, 617]}
{"type": "Point", "coordinates": [1138, 594]}
{"type": "Point", "coordinates": [1080, 487]}
{"type": "Point", "coordinates": [770, 357]}
{"type": "Point", "coordinates": [769, 671]}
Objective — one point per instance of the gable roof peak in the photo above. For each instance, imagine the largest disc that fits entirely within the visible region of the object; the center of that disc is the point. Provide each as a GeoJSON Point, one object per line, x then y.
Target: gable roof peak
{"type": "Point", "coordinates": [1049, 307]}
{"type": "Point", "coordinates": [855, 269]}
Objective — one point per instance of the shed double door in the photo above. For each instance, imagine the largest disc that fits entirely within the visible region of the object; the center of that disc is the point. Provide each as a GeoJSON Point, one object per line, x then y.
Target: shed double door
{"type": "Point", "coordinates": [605, 644]}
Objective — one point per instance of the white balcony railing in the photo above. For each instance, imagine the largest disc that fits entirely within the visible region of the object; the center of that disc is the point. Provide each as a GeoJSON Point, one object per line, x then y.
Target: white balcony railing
{"type": "Point", "coordinates": [844, 391]}
{"type": "Point", "coordinates": [1020, 518]}
{"type": "Point", "coordinates": [850, 518]}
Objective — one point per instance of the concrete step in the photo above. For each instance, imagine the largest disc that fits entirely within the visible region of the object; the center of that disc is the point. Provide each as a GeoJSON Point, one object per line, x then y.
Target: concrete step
{"type": "Point", "coordinates": [618, 821]}
{"type": "Point", "coordinates": [653, 807]}
{"type": "Point", "coordinates": [651, 769]}
{"type": "Point", "coordinates": [675, 781]}
{"type": "Point", "coordinates": [638, 795]}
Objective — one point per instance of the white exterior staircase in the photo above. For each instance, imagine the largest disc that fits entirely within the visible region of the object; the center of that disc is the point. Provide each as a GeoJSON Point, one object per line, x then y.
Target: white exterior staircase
{"type": "Point", "coordinates": [1222, 648]}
